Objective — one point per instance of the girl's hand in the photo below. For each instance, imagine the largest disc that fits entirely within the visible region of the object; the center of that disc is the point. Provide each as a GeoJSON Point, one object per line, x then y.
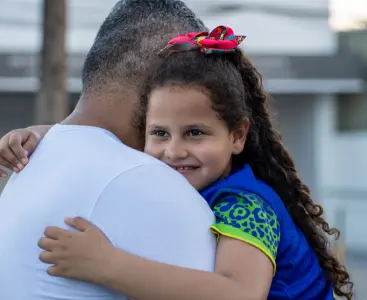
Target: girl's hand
{"type": "Point", "coordinates": [17, 145]}
{"type": "Point", "coordinates": [82, 255]}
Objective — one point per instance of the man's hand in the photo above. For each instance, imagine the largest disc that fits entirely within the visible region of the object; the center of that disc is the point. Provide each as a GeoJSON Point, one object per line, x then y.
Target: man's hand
{"type": "Point", "coordinates": [17, 145]}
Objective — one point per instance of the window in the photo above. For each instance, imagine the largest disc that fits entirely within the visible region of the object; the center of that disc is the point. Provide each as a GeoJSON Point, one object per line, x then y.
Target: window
{"type": "Point", "coordinates": [352, 113]}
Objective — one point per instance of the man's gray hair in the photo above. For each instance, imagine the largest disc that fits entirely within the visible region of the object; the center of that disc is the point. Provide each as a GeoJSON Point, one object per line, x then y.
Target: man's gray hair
{"type": "Point", "coordinates": [130, 38]}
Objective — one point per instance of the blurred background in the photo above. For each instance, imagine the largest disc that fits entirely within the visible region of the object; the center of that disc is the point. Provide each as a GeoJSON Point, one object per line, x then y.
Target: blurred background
{"type": "Point", "coordinates": [313, 57]}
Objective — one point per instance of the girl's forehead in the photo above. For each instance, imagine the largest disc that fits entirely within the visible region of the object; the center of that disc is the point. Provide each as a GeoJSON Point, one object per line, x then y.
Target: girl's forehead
{"type": "Point", "coordinates": [181, 107]}
{"type": "Point", "coordinates": [178, 99]}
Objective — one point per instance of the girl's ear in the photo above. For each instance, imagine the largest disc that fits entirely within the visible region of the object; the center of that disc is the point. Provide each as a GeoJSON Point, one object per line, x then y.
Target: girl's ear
{"type": "Point", "coordinates": [239, 137]}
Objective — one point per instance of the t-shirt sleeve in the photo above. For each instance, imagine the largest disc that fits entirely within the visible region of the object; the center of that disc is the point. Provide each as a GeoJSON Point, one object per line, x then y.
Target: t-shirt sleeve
{"type": "Point", "coordinates": [247, 217]}
{"type": "Point", "coordinates": [152, 211]}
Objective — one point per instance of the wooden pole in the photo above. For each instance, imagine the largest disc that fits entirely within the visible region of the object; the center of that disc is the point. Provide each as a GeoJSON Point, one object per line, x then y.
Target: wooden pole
{"type": "Point", "coordinates": [52, 98]}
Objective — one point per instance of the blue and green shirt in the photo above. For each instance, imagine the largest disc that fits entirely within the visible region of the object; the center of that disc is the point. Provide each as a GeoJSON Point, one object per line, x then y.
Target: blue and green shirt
{"type": "Point", "coordinates": [249, 210]}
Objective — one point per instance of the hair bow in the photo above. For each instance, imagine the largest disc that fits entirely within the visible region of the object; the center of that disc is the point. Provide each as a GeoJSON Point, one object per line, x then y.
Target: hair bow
{"type": "Point", "coordinates": [220, 40]}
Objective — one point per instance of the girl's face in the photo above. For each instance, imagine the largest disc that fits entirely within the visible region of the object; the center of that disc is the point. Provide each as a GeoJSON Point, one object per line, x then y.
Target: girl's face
{"type": "Point", "coordinates": [184, 131]}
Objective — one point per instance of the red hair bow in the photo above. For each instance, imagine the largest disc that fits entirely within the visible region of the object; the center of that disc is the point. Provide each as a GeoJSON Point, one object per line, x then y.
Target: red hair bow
{"type": "Point", "coordinates": [220, 40]}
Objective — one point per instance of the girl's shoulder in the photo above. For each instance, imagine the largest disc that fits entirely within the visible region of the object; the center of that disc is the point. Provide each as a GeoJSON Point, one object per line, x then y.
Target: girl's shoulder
{"type": "Point", "coordinates": [249, 210]}
{"type": "Point", "coordinates": [247, 217]}
{"type": "Point", "coordinates": [243, 183]}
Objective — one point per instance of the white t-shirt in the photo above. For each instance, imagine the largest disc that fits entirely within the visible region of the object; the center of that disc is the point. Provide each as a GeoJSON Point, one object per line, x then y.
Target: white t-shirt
{"type": "Point", "coordinates": [142, 205]}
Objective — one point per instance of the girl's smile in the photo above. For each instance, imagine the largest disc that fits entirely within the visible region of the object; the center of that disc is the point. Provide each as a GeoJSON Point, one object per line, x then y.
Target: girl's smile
{"type": "Point", "coordinates": [184, 169]}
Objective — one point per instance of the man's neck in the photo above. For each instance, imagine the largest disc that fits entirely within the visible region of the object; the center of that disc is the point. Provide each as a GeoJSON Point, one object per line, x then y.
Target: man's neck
{"type": "Point", "coordinates": [118, 125]}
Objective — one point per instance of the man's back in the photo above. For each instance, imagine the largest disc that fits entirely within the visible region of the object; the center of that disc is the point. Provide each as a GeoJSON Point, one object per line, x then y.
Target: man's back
{"type": "Point", "coordinates": [141, 205]}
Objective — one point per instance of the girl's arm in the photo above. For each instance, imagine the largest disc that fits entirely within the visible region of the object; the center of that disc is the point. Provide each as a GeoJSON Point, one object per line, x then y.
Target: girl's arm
{"type": "Point", "coordinates": [41, 130]}
{"type": "Point", "coordinates": [242, 271]}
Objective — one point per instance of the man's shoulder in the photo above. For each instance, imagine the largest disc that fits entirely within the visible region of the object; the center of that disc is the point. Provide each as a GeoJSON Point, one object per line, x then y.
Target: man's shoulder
{"type": "Point", "coordinates": [144, 170]}
{"type": "Point", "coordinates": [133, 162]}
{"type": "Point", "coordinates": [97, 147]}
{"type": "Point", "coordinates": [99, 158]}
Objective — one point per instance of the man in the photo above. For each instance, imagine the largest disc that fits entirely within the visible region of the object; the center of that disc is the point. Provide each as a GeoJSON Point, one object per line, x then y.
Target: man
{"type": "Point", "coordinates": [82, 168]}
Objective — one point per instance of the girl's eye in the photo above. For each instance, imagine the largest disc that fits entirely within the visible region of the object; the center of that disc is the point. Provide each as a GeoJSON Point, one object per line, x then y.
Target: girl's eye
{"type": "Point", "coordinates": [160, 133]}
{"type": "Point", "coordinates": [195, 132]}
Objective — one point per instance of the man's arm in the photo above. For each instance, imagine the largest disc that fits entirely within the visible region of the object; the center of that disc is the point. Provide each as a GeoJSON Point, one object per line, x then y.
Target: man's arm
{"type": "Point", "coordinates": [153, 212]}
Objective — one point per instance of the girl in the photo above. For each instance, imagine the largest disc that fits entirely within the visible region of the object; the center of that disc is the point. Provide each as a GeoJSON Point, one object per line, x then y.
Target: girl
{"type": "Point", "coordinates": [207, 117]}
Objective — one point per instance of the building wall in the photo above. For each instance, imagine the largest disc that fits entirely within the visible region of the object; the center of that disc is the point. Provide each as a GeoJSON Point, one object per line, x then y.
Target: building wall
{"type": "Point", "coordinates": [283, 26]}
{"type": "Point", "coordinates": [279, 27]}
{"type": "Point", "coordinates": [294, 116]}
{"type": "Point", "coordinates": [343, 177]}
{"type": "Point", "coordinates": [331, 162]}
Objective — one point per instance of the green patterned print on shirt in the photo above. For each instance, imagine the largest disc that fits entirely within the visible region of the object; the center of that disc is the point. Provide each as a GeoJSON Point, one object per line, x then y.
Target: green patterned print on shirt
{"type": "Point", "coordinates": [247, 217]}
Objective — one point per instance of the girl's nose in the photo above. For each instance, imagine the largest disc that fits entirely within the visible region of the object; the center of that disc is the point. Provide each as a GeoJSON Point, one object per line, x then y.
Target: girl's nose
{"type": "Point", "coordinates": [176, 150]}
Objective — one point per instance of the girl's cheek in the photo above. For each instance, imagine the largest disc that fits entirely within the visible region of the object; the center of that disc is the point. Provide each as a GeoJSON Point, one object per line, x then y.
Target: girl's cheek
{"type": "Point", "coordinates": [152, 148]}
